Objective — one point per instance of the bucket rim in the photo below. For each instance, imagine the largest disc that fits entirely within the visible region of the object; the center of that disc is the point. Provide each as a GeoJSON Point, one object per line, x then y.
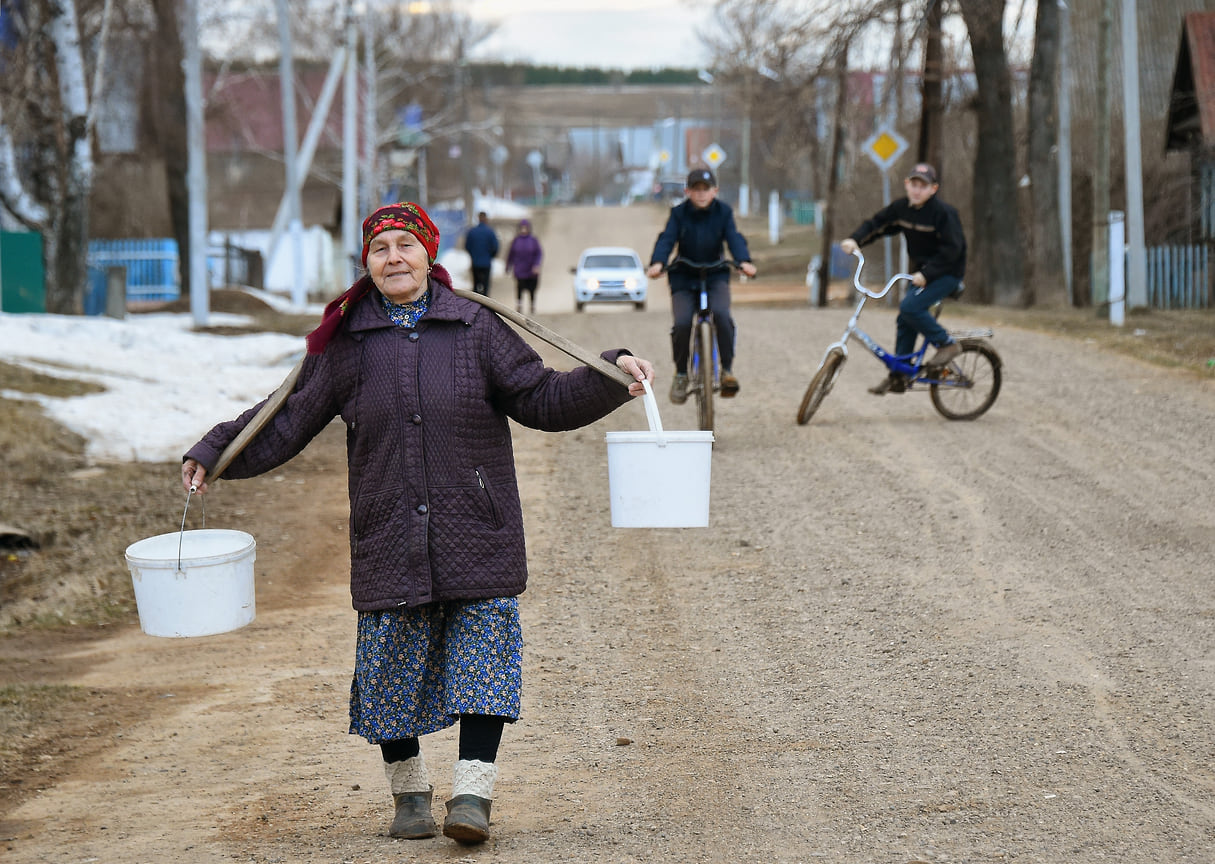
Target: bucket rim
{"type": "Point", "coordinates": [644, 436]}
{"type": "Point", "coordinates": [139, 556]}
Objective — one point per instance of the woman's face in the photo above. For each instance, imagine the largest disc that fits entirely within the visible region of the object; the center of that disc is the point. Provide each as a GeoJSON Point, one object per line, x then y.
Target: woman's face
{"type": "Point", "coordinates": [398, 265]}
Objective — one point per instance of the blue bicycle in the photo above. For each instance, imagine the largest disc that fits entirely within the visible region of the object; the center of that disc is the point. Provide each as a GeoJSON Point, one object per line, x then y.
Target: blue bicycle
{"type": "Point", "coordinates": [963, 389]}
{"type": "Point", "coordinates": [704, 367]}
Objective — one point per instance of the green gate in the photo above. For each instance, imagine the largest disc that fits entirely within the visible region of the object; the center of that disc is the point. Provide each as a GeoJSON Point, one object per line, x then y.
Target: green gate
{"type": "Point", "coordinates": [22, 280]}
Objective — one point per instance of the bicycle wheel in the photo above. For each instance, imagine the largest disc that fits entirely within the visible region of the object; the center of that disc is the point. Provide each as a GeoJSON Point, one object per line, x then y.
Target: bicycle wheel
{"type": "Point", "coordinates": [970, 384]}
{"type": "Point", "coordinates": [704, 384]}
{"type": "Point", "coordinates": [820, 385]}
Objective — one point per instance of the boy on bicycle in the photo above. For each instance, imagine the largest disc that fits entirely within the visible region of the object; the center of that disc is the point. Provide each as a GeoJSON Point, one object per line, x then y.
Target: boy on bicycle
{"type": "Point", "coordinates": [699, 225]}
{"type": "Point", "coordinates": [937, 249]}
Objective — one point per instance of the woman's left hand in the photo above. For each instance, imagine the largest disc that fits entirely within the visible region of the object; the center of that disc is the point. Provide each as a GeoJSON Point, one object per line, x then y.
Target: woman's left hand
{"type": "Point", "coordinates": [642, 370]}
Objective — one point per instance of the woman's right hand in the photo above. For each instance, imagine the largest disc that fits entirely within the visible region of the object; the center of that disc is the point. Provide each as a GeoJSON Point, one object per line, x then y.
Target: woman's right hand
{"type": "Point", "coordinates": [194, 477]}
{"type": "Point", "coordinates": [848, 246]}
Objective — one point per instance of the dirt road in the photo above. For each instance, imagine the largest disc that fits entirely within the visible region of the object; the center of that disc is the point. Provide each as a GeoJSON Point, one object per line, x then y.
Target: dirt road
{"type": "Point", "coordinates": [901, 639]}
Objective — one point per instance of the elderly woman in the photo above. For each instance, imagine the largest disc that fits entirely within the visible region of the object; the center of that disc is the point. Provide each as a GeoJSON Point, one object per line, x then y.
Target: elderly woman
{"type": "Point", "coordinates": [425, 382]}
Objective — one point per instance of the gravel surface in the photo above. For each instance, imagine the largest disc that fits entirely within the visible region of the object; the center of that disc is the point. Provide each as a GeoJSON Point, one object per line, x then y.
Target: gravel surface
{"type": "Point", "coordinates": [901, 639]}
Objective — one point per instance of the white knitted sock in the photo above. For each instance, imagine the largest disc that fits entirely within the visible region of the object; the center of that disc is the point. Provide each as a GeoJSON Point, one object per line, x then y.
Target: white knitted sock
{"type": "Point", "coordinates": [408, 775]}
{"type": "Point", "coordinates": [474, 777]}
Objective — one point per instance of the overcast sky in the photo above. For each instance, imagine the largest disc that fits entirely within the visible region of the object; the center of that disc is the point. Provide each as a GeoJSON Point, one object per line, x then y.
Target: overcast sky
{"type": "Point", "coordinates": [620, 34]}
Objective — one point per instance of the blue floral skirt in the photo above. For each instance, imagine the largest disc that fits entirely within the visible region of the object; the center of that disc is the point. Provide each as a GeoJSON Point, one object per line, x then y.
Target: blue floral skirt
{"type": "Point", "coordinates": [416, 670]}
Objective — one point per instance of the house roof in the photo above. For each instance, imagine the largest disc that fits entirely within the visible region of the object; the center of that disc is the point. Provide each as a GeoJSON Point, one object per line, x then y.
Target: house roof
{"type": "Point", "coordinates": [245, 110]}
{"type": "Point", "coordinates": [1191, 121]}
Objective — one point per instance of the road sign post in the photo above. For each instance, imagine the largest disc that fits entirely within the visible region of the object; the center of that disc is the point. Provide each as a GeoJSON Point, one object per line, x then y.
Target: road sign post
{"type": "Point", "coordinates": [884, 147]}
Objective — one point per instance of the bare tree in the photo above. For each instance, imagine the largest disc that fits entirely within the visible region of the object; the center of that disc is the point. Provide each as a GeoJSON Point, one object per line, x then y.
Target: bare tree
{"type": "Point", "coordinates": [930, 147]}
{"type": "Point", "coordinates": [47, 111]}
{"type": "Point", "coordinates": [837, 146]}
{"type": "Point", "coordinates": [1046, 235]}
{"type": "Point", "coordinates": [996, 245]}
{"type": "Point", "coordinates": [167, 86]}
{"type": "Point", "coordinates": [769, 56]}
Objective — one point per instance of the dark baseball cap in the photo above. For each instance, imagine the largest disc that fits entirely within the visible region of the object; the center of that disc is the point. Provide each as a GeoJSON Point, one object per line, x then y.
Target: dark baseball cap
{"type": "Point", "coordinates": [924, 171]}
{"type": "Point", "coordinates": [701, 175]}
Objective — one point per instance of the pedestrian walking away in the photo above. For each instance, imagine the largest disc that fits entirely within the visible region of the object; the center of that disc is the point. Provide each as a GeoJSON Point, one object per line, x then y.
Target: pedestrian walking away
{"type": "Point", "coordinates": [523, 261]}
{"type": "Point", "coordinates": [937, 249]}
{"type": "Point", "coordinates": [696, 229]}
{"type": "Point", "coordinates": [426, 383]}
{"type": "Point", "coordinates": [481, 244]}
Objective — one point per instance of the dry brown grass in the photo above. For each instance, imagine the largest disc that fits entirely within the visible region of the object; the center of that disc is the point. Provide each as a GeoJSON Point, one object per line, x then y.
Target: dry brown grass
{"type": "Point", "coordinates": [1174, 339]}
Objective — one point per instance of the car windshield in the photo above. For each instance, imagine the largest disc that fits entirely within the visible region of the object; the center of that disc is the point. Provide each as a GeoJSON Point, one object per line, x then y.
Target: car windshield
{"type": "Point", "coordinates": [610, 262]}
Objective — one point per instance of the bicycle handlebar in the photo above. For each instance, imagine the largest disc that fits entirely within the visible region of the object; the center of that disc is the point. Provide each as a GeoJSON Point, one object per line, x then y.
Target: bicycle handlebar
{"type": "Point", "coordinates": [875, 295]}
{"type": "Point", "coordinates": [702, 266]}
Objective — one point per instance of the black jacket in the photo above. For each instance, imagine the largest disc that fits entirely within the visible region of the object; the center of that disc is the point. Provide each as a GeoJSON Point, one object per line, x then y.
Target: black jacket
{"type": "Point", "coordinates": [699, 234]}
{"type": "Point", "coordinates": [935, 243]}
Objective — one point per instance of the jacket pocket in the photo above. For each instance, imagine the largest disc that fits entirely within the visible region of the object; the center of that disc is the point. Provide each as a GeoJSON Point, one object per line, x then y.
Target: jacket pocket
{"type": "Point", "coordinates": [373, 516]}
{"type": "Point", "coordinates": [488, 494]}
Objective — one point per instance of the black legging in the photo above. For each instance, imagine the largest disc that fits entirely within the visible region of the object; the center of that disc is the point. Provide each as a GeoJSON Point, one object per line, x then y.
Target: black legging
{"type": "Point", "coordinates": [685, 303]}
{"type": "Point", "coordinates": [480, 735]}
{"type": "Point", "coordinates": [526, 286]}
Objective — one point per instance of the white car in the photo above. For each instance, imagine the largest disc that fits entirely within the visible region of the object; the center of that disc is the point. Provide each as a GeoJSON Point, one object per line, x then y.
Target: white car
{"type": "Point", "coordinates": [609, 274]}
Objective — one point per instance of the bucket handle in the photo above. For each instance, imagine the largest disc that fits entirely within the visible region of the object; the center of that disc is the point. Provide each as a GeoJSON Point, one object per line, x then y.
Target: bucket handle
{"type": "Point", "coordinates": [651, 414]}
{"type": "Point", "coordinates": [182, 535]}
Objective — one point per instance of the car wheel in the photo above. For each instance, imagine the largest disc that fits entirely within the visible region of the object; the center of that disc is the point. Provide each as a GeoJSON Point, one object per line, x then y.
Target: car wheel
{"type": "Point", "coordinates": [639, 305]}
{"type": "Point", "coordinates": [578, 306]}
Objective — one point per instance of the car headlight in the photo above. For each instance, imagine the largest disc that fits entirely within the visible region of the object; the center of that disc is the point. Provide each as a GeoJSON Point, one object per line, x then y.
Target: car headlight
{"type": "Point", "coordinates": [630, 283]}
{"type": "Point", "coordinates": [592, 284]}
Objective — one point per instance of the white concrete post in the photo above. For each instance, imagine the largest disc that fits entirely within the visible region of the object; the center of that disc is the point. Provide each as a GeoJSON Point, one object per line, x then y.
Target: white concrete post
{"type": "Point", "coordinates": [774, 217]}
{"type": "Point", "coordinates": [1117, 268]}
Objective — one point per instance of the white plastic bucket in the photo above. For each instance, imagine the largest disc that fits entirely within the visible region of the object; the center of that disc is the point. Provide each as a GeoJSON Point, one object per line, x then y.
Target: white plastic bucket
{"type": "Point", "coordinates": [659, 479]}
{"type": "Point", "coordinates": [193, 583]}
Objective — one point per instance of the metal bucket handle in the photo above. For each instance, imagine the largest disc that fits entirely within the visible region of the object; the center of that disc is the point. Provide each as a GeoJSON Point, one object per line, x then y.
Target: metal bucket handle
{"type": "Point", "coordinates": [182, 534]}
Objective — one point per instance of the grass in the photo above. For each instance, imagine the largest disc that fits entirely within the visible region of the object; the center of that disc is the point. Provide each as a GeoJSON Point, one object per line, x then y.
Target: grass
{"type": "Point", "coordinates": [1168, 338]}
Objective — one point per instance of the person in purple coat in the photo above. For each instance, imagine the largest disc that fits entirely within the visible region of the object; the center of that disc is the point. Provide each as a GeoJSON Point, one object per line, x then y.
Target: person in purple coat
{"type": "Point", "coordinates": [523, 260]}
{"type": "Point", "coordinates": [426, 383]}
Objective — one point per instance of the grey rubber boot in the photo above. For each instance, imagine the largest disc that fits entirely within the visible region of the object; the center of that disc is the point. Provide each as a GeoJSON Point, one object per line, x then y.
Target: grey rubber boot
{"type": "Point", "coordinates": [412, 796]}
{"type": "Point", "coordinates": [467, 819]}
{"type": "Point", "coordinates": [472, 791]}
{"type": "Point", "coordinates": [414, 819]}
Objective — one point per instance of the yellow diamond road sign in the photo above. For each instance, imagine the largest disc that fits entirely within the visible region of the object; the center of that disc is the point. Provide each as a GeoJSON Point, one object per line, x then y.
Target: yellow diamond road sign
{"type": "Point", "coordinates": [885, 146]}
{"type": "Point", "coordinates": [714, 155]}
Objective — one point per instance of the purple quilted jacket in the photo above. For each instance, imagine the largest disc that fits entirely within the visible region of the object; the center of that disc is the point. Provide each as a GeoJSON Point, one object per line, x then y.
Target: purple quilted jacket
{"type": "Point", "coordinates": [434, 501]}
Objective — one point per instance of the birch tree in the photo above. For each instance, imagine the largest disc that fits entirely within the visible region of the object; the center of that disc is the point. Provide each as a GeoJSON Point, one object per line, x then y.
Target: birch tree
{"type": "Point", "coordinates": [49, 190]}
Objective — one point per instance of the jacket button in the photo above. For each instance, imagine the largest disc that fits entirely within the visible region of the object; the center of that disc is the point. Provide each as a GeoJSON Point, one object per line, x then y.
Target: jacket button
{"type": "Point", "coordinates": [414, 336]}
{"type": "Point", "coordinates": [417, 419]}
{"type": "Point", "coordinates": [422, 508]}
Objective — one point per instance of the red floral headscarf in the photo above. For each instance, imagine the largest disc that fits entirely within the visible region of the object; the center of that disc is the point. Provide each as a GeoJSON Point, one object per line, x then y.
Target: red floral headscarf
{"type": "Point", "coordinates": [404, 216]}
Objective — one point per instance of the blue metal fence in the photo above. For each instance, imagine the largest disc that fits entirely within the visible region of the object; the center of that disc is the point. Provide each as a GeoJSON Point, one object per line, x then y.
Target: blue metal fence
{"type": "Point", "coordinates": [152, 268]}
{"type": "Point", "coordinates": [1179, 277]}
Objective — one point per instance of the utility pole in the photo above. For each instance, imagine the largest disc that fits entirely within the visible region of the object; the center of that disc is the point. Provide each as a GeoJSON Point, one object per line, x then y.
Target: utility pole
{"type": "Point", "coordinates": [744, 186]}
{"type": "Point", "coordinates": [1136, 264]}
{"type": "Point", "coordinates": [196, 166]}
{"type": "Point", "coordinates": [350, 173]}
{"type": "Point", "coordinates": [465, 156]}
{"type": "Point", "coordinates": [1065, 147]}
{"type": "Point", "coordinates": [1099, 292]}
{"type": "Point", "coordinates": [369, 193]}
{"type": "Point", "coordinates": [299, 294]}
